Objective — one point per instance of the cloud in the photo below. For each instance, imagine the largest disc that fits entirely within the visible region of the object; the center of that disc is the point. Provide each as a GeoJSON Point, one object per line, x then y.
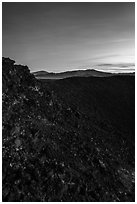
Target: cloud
{"type": "Point", "coordinates": [96, 58]}
{"type": "Point", "coordinates": [117, 65]}
{"type": "Point", "coordinates": [111, 67]}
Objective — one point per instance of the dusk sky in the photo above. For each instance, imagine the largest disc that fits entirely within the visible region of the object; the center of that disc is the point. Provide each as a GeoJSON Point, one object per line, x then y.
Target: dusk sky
{"type": "Point", "coordinates": [57, 37]}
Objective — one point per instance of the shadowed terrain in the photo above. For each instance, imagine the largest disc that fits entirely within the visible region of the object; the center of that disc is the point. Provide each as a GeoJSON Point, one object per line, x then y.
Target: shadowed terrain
{"type": "Point", "coordinates": [110, 99]}
{"type": "Point", "coordinates": [67, 140]}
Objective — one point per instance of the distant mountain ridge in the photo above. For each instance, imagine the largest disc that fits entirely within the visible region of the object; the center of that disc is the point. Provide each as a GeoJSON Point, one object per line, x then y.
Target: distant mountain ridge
{"type": "Point", "coordinates": [41, 73]}
{"type": "Point", "coordinates": [75, 73]}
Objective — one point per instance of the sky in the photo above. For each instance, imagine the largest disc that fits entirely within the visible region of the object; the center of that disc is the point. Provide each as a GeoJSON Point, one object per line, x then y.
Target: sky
{"type": "Point", "coordinates": [58, 37]}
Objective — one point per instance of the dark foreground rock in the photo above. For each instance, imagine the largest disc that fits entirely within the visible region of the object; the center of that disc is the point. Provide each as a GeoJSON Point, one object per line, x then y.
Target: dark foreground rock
{"type": "Point", "coordinates": [53, 152]}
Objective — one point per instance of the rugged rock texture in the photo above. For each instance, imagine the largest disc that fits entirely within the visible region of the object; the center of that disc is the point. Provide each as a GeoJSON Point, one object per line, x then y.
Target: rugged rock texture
{"type": "Point", "coordinates": [53, 152]}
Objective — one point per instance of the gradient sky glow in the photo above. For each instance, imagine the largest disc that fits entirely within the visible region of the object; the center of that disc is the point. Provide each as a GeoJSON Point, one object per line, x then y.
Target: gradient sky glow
{"type": "Point", "coordinates": [65, 36]}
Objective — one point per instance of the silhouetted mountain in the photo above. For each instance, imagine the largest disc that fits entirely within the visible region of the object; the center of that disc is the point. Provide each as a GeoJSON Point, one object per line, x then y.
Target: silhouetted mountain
{"type": "Point", "coordinates": [76, 73]}
{"type": "Point", "coordinates": [126, 74]}
{"type": "Point", "coordinates": [68, 74]}
{"type": "Point", "coordinates": [55, 151]}
{"type": "Point", "coordinates": [40, 73]}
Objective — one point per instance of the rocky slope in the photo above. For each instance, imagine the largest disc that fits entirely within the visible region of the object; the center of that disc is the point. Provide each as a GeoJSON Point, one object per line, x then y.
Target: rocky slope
{"type": "Point", "coordinates": [52, 151]}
